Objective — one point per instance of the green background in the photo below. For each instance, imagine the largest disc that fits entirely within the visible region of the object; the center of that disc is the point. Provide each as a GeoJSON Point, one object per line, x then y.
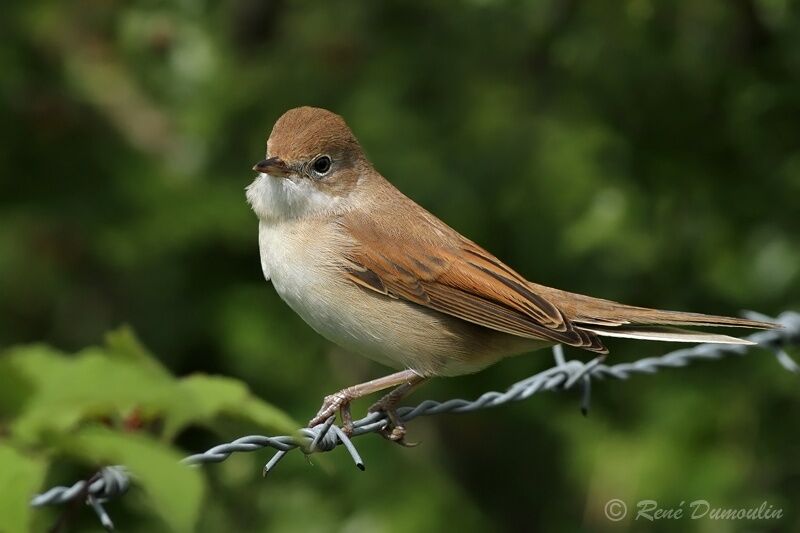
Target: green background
{"type": "Point", "coordinates": [643, 151]}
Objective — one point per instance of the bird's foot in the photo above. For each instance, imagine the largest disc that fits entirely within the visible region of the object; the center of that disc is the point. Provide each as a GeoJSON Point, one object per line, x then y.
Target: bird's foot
{"type": "Point", "coordinates": [338, 401]}
{"type": "Point", "coordinates": [394, 431]}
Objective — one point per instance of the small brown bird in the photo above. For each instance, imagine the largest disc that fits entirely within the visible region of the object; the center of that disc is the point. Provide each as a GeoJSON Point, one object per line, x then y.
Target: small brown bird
{"type": "Point", "coordinates": [375, 273]}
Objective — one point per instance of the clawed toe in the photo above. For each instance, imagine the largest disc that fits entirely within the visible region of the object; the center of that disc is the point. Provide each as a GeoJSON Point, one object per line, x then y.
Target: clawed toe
{"type": "Point", "coordinates": [394, 430]}
{"type": "Point", "coordinates": [397, 434]}
{"type": "Point", "coordinates": [333, 403]}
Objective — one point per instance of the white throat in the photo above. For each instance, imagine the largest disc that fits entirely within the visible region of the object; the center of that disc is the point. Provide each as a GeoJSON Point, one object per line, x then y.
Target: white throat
{"type": "Point", "coordinates": [280, 199]}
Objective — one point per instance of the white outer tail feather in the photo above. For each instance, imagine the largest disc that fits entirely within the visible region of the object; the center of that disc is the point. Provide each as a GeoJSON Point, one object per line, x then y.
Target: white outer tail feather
{"type": "Point", "coordinates": [667, 334]}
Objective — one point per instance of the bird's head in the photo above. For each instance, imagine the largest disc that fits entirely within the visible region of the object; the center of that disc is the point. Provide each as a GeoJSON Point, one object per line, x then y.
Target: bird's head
{"type": "Point", "coordinates": [313, 164]}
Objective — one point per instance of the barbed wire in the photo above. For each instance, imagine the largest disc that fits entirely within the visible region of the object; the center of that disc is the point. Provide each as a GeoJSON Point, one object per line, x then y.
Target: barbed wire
{"type": "Point", "coordinates": [113, 481]}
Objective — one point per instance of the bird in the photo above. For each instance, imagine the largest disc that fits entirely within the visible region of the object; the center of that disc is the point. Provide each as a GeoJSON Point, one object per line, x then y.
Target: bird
{"type": "Point", "coordinates": [377, 274]}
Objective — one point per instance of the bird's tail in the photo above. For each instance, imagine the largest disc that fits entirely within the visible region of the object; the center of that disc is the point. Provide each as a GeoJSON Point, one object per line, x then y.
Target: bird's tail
{"type": "Point", "coordinates": [612, 319]}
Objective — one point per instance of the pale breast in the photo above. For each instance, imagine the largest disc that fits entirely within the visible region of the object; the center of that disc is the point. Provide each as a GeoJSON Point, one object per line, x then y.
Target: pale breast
{"type": "Point", "coordinates": [303, 267]}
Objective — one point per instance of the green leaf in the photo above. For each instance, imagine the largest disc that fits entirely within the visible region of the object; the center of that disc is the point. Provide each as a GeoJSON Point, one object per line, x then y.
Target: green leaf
{"type": "Point", "coordinates": [15, 391]}
{"type": "Point", "coordinates": [174, 491]}
{"type": "Point", "coordinates": [69, 390]}
{"type": "Point", "coordinates": [20, 477]}
{"type": "Point", "coordinates": [124, 344]}
{"type": "Point", "coordinates": [60, 391]}
{"type": "Point", "coordinates": [204, 398]}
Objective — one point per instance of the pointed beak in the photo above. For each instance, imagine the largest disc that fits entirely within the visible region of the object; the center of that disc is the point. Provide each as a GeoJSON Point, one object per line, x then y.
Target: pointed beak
{"type": "Point", "coordinates": [274, 167]}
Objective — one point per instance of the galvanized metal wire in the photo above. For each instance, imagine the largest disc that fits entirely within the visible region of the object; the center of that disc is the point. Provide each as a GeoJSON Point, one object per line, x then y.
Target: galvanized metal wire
{"type": "Point", "coordinates": [113, 481]}
{"type": "Point", "coordinates": [109, 482]}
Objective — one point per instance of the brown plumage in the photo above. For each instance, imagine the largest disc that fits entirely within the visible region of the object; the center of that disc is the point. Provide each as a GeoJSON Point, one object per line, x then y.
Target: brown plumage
{"type": "Point", "coordinates": [373, 271]}
{"type": "Point", "coordinates": [435, 266]}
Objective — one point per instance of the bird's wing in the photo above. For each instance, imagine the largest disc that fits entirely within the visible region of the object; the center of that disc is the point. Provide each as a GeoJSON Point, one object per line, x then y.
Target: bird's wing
{"type": "Point", "coordinates": [438, 268]}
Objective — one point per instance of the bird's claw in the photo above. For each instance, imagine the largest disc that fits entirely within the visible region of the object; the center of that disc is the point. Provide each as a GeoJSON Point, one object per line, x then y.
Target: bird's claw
{"type": "Point", "coordinates": [396, 434]}
{"type": "Point", "coordinates": [394, 430]}
{"type": "Point", "coordinates": [340, 402]}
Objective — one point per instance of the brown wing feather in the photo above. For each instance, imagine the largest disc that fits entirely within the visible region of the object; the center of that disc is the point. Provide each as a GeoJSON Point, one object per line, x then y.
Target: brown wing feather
{"type": "Point", "coordinates": [586, 310]}
{"type": "Point", "coordinates": [441, 270]}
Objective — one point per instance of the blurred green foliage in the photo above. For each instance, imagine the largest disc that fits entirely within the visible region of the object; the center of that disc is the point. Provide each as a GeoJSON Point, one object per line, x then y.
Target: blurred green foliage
{"type": "Point", "coordinates": [113, 405]}
{"type": "Point", "coordinates": [646, 151]}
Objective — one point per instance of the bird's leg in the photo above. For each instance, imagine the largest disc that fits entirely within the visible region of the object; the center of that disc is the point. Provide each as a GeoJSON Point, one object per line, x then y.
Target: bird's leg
{"type": "Point", "coordinates": [340, 401]}
{"type": "Point", "coordinates": [395, 431]}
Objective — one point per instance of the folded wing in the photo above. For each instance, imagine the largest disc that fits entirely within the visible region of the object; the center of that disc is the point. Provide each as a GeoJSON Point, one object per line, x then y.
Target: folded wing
{"type": "Point", "coordinates": [457, 277]}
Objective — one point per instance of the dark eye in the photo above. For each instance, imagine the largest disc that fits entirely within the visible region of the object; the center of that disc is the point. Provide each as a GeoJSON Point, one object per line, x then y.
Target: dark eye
{"type": "Point", "coordinates": [322, 164]}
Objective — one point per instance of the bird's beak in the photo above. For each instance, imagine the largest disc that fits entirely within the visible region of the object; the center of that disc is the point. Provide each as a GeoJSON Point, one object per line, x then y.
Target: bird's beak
{"type": "Point", "coordinates": [274, 167]}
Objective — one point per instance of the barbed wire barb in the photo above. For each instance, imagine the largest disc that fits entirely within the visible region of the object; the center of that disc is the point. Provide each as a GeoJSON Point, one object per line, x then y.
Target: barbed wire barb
{"type": "Point", "coordinates": [113, 481]}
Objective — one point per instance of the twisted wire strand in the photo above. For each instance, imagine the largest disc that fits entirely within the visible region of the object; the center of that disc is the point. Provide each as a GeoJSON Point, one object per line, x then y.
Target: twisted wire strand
{"type": "Point", "coordinates": [113, 481]}
{"type": "Point", "coordinates": [109, 482]}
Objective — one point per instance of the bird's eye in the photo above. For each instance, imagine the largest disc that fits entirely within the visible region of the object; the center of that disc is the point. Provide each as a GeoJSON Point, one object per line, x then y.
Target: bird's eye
{"type": "Point", "coordinates": [321, 165]}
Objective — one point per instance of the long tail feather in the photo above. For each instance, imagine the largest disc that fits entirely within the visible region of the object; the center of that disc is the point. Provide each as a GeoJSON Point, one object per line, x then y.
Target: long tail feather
{"type": "Point", "coordinates": [663, 333]}
{"type": "Point", "coordinates": [611, 319]}
{"type": "Point", "coordinates": [645, 316]}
